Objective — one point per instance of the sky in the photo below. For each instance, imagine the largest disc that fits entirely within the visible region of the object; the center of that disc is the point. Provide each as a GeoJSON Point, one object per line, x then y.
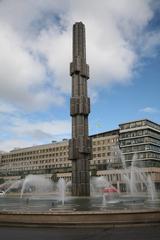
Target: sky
{"type": "Point", "coordinates": [123, 52]}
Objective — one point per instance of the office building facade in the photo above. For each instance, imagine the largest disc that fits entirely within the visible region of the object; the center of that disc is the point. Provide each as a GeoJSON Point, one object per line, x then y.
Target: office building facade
{"type": "Point", "coordinates": [137, 140]}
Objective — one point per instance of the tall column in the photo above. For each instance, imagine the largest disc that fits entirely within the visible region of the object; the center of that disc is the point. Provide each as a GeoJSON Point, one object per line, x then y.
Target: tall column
{"type": "Point", "coordinates": [80, 144]}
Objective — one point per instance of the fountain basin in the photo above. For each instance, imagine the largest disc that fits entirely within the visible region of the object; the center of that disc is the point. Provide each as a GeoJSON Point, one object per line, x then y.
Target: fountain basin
{"type": "Point", "coordinates": [37, 202]}
{"type": "Point", "coordinates": [106, 218]}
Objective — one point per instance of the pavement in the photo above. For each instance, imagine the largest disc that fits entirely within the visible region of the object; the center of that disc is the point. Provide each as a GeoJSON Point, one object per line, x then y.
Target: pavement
{"type": "Point", "coordinates": [79, 233]}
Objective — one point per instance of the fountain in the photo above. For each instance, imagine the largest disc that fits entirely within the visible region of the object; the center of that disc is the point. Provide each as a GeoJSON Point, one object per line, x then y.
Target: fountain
{"type": "Point", "coordinates": [36, 183]}
{"type": "Point", "coordinates": [140, 190]}
{"type": "Point", "coordinates": [38, 195]}
{"type": "Point", "coordinates": [152, 193]}
{"type": "Point", "coordinates": [61, 189]}
{"type": "Point", "coordinates": [135, 178]}
{"type": "Point", "coordinates": [14, 185]}
{"type": "Point", "coordinates": [44, 195]}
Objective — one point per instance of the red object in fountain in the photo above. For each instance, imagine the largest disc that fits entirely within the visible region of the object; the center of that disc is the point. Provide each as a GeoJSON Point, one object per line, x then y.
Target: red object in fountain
{"type": "Point", "coordinates": [110, 190]}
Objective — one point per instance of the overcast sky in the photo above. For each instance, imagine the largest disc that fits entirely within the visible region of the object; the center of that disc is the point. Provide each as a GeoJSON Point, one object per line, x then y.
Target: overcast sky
{"type": "Point", "coordinates": [123, 51]}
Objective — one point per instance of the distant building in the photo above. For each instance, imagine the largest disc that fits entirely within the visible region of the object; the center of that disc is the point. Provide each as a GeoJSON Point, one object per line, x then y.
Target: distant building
{"type": "Point", "coordinates": [42, 159]}
{"type": "Point", "coordinates": [137, 139]}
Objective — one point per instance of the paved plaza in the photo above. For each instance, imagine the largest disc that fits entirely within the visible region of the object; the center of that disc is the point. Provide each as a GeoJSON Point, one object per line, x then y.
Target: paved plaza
{"type": "Point", "coordinates": [127, 233]}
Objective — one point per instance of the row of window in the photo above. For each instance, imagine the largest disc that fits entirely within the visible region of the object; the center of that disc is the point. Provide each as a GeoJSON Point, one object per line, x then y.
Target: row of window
{"type": "Point", "coordinates": [140, 124]}
{"type": "Point", "coordinates": [153, 125]}
{"type": "Point", "coordinates": [39, 151]}
{"type": "Point", "coordinates": [146, 147]}
{"type": "Point", "coordinates": [60, 154]}
{"type": "Point", "coordinates": [143, 156]}
{"type": "Point", "coordinates": [104, 161]}
{"type": "Point", "coordinates": [133, 125]}
{"type": "Point", "coordinates": [40, 167]}
{"type": "Point", "coordinates": [139, 140]}
{"type": "Point", "coordinates": [105, 141]}
{"type": "Point", "coordinates": [37, 162]}
{"type": "Point", "coordinates": [107, 154]}
{"type": "Point", "coordinates": [138, 133]}
{"type": "Point", "coordinates": [108, 148]}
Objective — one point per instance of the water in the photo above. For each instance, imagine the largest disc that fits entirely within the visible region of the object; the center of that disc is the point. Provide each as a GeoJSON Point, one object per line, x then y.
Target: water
{"type": "Point", "coordinates": [36, 183]}
{"type": "Point", "coordinates": [15, 185]}
{"type": "Point", "coordinates": [37, 193]}
{"type": "Point", "coordinates": [98, 184]}
{"type": "Point", "coordinates": [38, 187]}
{"type": "Point", "coordinates": [151, 189]}
{"type": "Point", "coordinates": [61, 189]}
{"type": "Point", "coordinates": [136, 179]}
{"type": "Point", "coordinates": [51, 203]}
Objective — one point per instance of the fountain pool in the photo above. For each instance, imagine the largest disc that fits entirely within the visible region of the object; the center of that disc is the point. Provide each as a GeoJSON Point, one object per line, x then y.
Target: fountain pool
{"type": "Point", "coordinates": [37, 194]}
{"type": "Point", "coordinates": [37, 200]}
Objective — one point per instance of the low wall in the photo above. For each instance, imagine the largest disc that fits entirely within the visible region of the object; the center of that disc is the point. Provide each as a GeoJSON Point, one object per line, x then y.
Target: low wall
{"type": "Point", "coordinates": [109, 218]}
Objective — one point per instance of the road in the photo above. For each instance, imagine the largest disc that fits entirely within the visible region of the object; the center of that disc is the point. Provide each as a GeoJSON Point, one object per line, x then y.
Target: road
{"type": "Point", "coordinates": [127, 233]}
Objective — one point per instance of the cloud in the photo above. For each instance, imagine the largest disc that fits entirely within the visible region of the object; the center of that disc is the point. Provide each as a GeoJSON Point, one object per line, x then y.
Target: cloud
{"type": "Point", "coordinates": [36, 46]}
{"type": "Point", "coordinates": [6, 108]}
{"type": "Point", "coordinates": [36, 49]}
{"type": "Point", "coordinates": [18, 131]}
{"type": "Point", "coordinates": [149, 110]}
{"type": "Point", "coordinates": [10, 144]}
{"type": "Point", "coordinates": [111, 28]}
{"type": "Point", "coordinates": [22, 76]}
{"type": "Point", "coordinates": [152, 40]}
{"type": "Point", "coordinates": [40, 129]}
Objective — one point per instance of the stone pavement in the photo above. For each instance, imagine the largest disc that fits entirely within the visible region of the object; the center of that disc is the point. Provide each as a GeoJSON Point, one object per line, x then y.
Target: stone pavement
{"type": "Point", "coordinates": [126, 233]}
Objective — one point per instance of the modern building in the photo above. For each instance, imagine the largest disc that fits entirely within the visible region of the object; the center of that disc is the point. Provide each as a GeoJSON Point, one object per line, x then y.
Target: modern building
{"type": "Point", "coordinates": [138, 140]}
{"type": "Point", "coordinates": [52, 159]}
{"type": "Point", "coordinates": [43, 159]}
{"type": "Point", "coordinates": [143, 139]}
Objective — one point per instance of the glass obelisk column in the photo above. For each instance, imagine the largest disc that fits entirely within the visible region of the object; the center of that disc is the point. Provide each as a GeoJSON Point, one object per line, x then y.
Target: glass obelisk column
{"type": "Point", "coordinates": [80, 144]}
